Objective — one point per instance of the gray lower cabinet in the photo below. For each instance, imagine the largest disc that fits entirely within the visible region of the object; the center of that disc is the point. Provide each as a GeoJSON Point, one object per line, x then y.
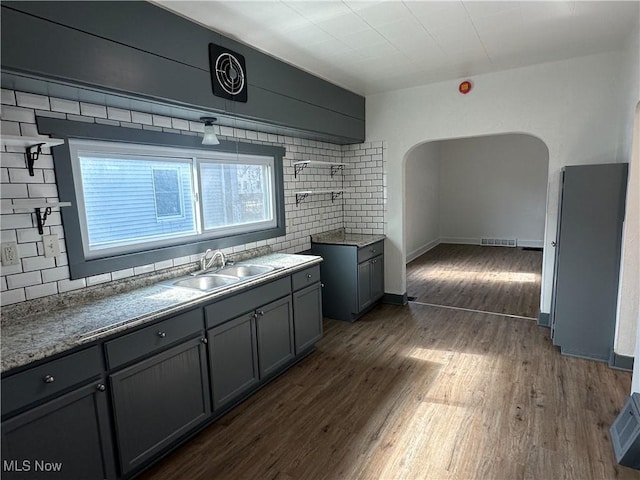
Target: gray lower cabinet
{"type": "Point", "coordinates": [233, 359]}
{"type": "Point", "coordinates": [370, 282]}
{"type": "Point", "coordinates": [68, 438]}
{"type": "Point", "coordinates": [163, 379]}
{"type": "Point", "coordinates": [159, 400]}
{"type": "Point", "coordinates": [353, 278]}
{"type": "Point", "coordinates": [307, 317]}
{"type": "Point", "coordinates": [248, 348]}
{"type": "Point", "coordinates": [274, 328]}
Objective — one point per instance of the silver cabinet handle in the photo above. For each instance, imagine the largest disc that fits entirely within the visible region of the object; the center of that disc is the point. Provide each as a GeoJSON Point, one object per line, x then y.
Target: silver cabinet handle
{"type": "Point", "coordinates": [373, 250]}
{"type": "Point", "coordinates": [322, 285]}
{"type": "Point", "coordinates": [204, 340]}
{"type": "Point", "coordinates": [309, 275]}
{"type": "Point", "coordinates": [260, 313]}
{"type": "Point", "coordinates": [49, 379]}
{"type": "Point", "coordinates": [101, 387]}
{"type": "Point", "coordinates": [162, 334]}
{"type": "Point", "coordinates": [553, 244]}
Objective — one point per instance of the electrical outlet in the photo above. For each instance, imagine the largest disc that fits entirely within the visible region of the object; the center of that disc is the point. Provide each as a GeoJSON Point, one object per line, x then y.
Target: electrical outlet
{"type": "Point", "coordinates": [51, 245]}
{"type": "Point", "coordinates": [9, 254]}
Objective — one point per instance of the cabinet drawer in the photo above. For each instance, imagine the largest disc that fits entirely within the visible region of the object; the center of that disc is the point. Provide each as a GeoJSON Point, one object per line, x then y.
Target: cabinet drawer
{"type": "Point", "coordinates": [370, 251]}
{"type": "Point", "coordinates": [306, 277]}
{"type": "Point", "coordinates": [154, 337]}
{"type": "Point", "coordinates": [45, 380]}
{"type": "Point", "coordinates": [229, 308]}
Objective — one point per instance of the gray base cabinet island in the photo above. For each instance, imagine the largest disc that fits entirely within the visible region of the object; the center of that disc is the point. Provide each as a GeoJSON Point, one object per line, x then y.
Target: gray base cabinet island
{"type": "Point", "coordinates": [111, 408]}
{"type": "Point", "coordinates": [352, 273]}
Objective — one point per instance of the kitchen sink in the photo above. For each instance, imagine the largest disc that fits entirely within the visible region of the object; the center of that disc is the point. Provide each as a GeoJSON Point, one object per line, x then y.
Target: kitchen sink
{"type": "Point", "coordinates": [216, 279]}
{"type": "Point", "coordinates": [244, 271]}
{"type": "Point", "coordinates": [206, 282]}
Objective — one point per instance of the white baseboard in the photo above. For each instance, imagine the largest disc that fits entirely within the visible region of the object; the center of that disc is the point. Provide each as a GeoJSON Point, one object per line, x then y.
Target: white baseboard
{"type": "Point", "coordinates": [464, 241]}
{"type": "Point", "coordinates": [531, 243]}
{"type": "Point", "coordinates": [422, 250]}
{"type": "Point", "coordinates": [460, 240]}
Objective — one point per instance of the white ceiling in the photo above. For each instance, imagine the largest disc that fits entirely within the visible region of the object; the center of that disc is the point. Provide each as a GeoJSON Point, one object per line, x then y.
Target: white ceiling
{"type": "Point", "coordinates": [375, 46]}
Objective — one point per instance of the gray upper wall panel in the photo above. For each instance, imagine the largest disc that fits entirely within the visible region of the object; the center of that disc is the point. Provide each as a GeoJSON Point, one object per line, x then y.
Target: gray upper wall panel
{"type": "Point", "coordinates": [152, 29]}
{"type": "Point", "coordinates": [99, 63]}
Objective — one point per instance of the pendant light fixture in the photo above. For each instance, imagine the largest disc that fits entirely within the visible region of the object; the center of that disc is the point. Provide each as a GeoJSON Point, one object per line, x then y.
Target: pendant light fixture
{"type": "Point", "coordinates": [210, 137]}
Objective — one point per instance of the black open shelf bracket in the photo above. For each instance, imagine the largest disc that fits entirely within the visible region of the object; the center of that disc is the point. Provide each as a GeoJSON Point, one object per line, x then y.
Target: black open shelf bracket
{"type": "Point", "coordinates": [33, 153]}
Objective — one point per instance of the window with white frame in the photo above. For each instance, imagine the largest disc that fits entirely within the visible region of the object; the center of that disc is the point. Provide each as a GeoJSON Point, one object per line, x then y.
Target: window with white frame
{"type": "Point", "coordinates": [133, 198]}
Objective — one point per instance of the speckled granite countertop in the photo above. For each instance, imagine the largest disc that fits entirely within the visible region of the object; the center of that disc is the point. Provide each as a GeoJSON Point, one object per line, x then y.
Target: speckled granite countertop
{"type": "Point", "coordinates": [28, 338]}
{"type": "Point", "coordinates": [339, 237]}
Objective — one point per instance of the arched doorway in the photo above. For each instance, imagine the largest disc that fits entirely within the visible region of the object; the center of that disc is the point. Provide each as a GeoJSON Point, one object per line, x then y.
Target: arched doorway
{"type": "Point", "coordinates": [474, 222]}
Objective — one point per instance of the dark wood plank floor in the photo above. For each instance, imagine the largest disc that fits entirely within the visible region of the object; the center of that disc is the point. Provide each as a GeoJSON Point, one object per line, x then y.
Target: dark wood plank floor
{"type": "Point", "coordinates": [491, 279]}
{"type": "Point", "coordinates": [420, 392]}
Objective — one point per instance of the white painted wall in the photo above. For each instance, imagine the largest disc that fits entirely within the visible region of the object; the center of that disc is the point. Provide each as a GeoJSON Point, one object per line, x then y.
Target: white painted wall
{"type": "Point", "coordinates": [493, 187]}
{"type": "Point", "coordinates": [574, 106]}
{"type": "Point", "coordinates": [423, 199]}
{"type": "Point", "coordinates": [629, 289]}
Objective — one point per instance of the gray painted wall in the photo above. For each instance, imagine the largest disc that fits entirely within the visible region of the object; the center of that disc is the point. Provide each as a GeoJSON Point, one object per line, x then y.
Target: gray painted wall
{"type": "Point", "coordinates": [140, 50]}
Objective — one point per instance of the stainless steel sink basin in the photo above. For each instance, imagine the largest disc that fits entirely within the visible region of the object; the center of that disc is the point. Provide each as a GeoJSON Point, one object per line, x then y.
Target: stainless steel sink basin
{"type": "Point", "coordinates": [206, 282]}
{"type": "Point", "coordinates": [244, 271]}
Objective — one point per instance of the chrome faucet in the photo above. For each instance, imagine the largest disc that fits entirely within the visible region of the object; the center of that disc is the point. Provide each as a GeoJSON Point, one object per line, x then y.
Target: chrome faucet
{"type": "Point", "coordinates": [209, 258]}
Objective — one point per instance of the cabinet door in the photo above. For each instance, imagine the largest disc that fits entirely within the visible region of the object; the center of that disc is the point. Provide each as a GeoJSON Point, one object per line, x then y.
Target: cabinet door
{"type": "Point", "coordinates": [274, 326]}
{"type": "Point", "coordinates": [377, 277]}
{"type": "Point", "coordinates": [364, 285]}
{"type": "Point", "coordinates": [158, 400]}
{"type": "Point", "coordinates": [233, 358]}
{"type": "Point", "coordinates": [68, 437]}
{"type": "Point", "coordinates": [307, 317]}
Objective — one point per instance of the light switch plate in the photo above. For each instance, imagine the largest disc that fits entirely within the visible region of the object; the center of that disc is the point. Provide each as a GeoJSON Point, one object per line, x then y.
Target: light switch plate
{"type": "Point", "coordinates": [51, 245]}
{"type": "Point", "coordinates": [9, 254]}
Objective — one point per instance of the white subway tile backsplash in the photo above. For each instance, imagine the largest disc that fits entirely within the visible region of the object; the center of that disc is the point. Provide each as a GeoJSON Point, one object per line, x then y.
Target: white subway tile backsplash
{"type": "Point", "coordinates": [49, 176]}
{"type": "Point", "coordinates": [65, 106]}
{"type": "Point", "coordinates": [68, 285]}
{"type": "Point", "coordinates": [12, 296]}
{"type": "Point", "coordinates": [163, 265]}
{"type": "Point", "coordinates": [43, 190]}
{"type": "Point", "coordinates": [29, 130]}
{"type": "Point", "coordinates": [143, 118]}
{"type": "Point", "coordinates": [11, 190]}
{"type": "Point", "coordinates": [179, 124]}
{"type": "Point", "coordinates": [106, 121]}
{"type": "Point", "coordinates": [47, 113]}
{"type": "Point", "coordinates": [16, 220]}
{"type": "Point", "coordinates": [18, 114]}
{"type": "Point", "coordinates": [43, 290]}
{"type": "Point", "coordinates": [160, 121]}
{"type": "Point", "coordinates": [7, 97]}
{"type": "Point", "coordinates": [23, 280]}
{"type": "Point", "coordinates": [9, 128]}
{"type": "Point", "coordinates": [97, 279]}
{"type": "Point", "coordinates": [120, 274]}
{"type": "Point", "coordinates": [318, 213]}
{"type": "Point", "coordinates": [80, 118]}
{"type": "Point", "coordinates": [27, 250]}
{"type": "Point", "coordinates": [55, 274]}
{"type": "Point", "coordinates": [118, 114]}
{"type": "Point", "coordinates": [196, 127]}
{"type": "Point", "coordinates": [21, 175]}
{"type": "Point", "coordinates": [92, 110]}
{"type": "Point", "coordinates": [29, 100]}
{"type": "Point", "coordinates": [37, 263]}
{"type": "Point", "coordinates": [143, 269]}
